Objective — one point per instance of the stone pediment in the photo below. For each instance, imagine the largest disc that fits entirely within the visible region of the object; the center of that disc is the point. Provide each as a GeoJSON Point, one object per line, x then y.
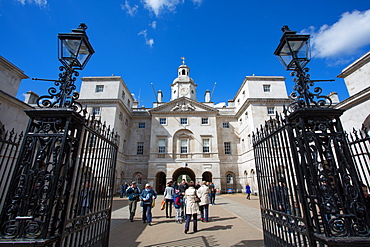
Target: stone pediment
{"type": "Point", "coordinates": [182, 105]}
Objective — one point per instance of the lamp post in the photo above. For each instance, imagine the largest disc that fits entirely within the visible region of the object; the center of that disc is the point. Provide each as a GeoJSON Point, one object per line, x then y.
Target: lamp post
{"type": "Point", "coordinates": [74, 52]}
{"type": "Point", "coordinates": [293, 52]}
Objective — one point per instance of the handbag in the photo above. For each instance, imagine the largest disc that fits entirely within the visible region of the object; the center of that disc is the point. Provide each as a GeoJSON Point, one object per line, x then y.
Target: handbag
{"type": "Point", "coordinates": [197, 199]}
{"type": "Point", "coordinates": [153, 203]}
{"type": "Point", "coordinates": [163, 204]}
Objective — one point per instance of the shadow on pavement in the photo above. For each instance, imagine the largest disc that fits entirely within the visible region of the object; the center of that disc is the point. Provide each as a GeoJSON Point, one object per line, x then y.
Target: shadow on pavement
{"type": "Point", "coordinates": [119, 203]}
{"type": "Point", "coordinates": [215, 218]}
{"type": "Point", "coordinates": [250, 243]}
{"type": "Point", "coordinates": [128, 235]}
{"type": "Point", "coordinates": [216, 228]}
{"type": "Point", "coordinates": [200, 241]}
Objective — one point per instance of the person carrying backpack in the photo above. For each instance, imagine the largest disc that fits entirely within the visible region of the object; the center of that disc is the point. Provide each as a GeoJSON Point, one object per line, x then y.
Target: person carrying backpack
{"type": "Point", "coordinates": [177, 203]}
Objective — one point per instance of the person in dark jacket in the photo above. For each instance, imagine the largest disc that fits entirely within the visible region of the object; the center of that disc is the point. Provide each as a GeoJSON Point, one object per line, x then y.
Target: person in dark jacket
{"type": "Point", "coordinates": [86, 200]}
{"type": "Point", "coordinates": [133, 193]}
{"type": "Point", "coordinates": [147, 196]}
{"type": "Point", "coordinates": [248, 191]}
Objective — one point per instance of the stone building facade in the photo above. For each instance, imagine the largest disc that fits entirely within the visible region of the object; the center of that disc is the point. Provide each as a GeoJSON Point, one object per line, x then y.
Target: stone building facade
{"type": "Point", "coordinates": [184, 137]}
{"type": "Point", "coordinates": [12, 115]}
{"type": "Point", "coordinates": [357, 78]}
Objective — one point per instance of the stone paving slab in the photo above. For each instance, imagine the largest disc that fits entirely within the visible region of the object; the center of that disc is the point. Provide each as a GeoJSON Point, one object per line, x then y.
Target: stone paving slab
{"type": "Point", "coordinates": [234, 221]}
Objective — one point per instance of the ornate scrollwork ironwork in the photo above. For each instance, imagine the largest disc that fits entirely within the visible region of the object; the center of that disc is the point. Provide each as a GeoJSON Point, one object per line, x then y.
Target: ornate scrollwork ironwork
{"type": "Point", "coordinates": [66, 96]}
{"type": "Point", "coordinates": [302, 97]}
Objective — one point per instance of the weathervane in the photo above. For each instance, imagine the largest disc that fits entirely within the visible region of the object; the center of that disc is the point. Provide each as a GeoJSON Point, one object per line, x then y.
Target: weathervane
{"type": "Point", "coordinates": [183, 60]}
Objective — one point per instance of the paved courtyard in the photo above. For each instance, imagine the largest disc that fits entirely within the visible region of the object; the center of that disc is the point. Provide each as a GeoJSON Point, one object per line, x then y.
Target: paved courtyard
{"type": "Point", "coordinates": [234, 221]}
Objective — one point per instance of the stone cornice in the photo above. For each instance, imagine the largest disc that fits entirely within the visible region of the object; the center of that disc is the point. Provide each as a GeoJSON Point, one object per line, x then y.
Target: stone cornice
{"type": "Point", "coordinates": [355, 65]}
{"type": "Point", "coordinates": [209, 110]}
{"type": "Point", "coordinates": [14, 101]}
{"type": "Point", "coordinates": [104, 102]}
{"type": "Point", "coordinates": [179, 113]}
{"type": "Point", "coordinates": [354, 100]}
{"type": "Point", "coordinates": [11, 67]}
{"type": "Point", "coordinates": [249, 101]}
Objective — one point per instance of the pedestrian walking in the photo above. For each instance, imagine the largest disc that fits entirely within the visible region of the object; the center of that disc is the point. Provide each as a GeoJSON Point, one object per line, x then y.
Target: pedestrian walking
{"type": "Point", "coordinates": [203, 193]}
{"type": "Point", "coordinates": [147, 197]}
{"type": "Point", "coordinates": [124, 188]}
{"type": "Point", "coordinates": [177, 203]}
{"type": "Point", "coordinates": [191, 207]}
{"type": "Point", "coordinates": [213, 193]}
{"type": "Point", "coordinates": [248, 191]}
{"type": "Point", "coordinates": [168, 196]}
{"type": "Point", "coordinates": [133, 194]}
{"type": "Point", "coordinates": [182, 188]}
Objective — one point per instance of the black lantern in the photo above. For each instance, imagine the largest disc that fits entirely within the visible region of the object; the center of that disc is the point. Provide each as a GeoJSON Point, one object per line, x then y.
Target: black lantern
{"type": "Point", "coordinates": [75, 49]}
{"type": "Point", "coordinates": [293, 50]}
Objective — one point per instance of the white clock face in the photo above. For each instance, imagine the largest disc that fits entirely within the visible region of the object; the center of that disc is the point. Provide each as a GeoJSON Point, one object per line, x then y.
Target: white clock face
{"type": "Point", "coordinates": [184, 90]}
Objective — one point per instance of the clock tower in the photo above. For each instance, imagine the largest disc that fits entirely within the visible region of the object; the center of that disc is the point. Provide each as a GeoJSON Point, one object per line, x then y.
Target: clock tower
{"type": "Point", "coordinates": [183, 85]}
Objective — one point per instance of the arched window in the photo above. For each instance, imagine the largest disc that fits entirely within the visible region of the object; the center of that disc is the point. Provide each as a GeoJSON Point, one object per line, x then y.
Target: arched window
{"type": "Point", "coordinates": [138, 177]}
{"type": "Point", "coordinates": [229, 178]}
{"type": "Point", "coordinates": [183, 72]}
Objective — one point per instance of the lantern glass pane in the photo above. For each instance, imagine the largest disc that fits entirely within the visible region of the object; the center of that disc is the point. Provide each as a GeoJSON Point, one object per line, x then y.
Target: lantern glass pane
{"type": "Point", "coordinates": [70, 48]}
{"type": "Point", "coordinates": [83, 53]}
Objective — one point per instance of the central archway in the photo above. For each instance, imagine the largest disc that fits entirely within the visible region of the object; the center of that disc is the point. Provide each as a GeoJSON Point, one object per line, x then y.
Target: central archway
{"type": "Point", "coordinates": [181, 173]}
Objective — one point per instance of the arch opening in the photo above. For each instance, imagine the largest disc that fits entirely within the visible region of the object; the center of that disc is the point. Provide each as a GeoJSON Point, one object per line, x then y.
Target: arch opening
{"type": "Point", "coordinates": [183, 173]}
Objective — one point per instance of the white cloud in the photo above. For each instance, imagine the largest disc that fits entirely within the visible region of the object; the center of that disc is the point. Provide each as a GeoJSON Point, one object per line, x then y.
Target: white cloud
{"type": "Point", "coordinates": [153, 24]}
{"type": "Point", "coordinates": [344, 38]}
{"type": "Point", "coordinates": [197, 2]}
{"type": "Point", "coordinates": [40, 3]}
{"type": "Point", "coordinates": [150, 41]}
{"type": "Point", "coordinates": [131, 10]}
{"type": "Point", "coordinates": [158, 6]}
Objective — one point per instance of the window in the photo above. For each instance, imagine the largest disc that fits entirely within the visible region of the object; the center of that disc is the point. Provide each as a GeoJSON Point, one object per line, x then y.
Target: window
{"type": "Point", "coordinates": [183, 121]}
{"type": "Point", "coordinates": [161, 146]}
{"type": "Point", "coordinates": [140, 148]}
{"type": "Point", "coordinates": [141, 125]}
{"type": "Point", "coordinates": [227, 146]}
{"type": "Point", "coordinates": [266, 88]}
{"type": "Point", "coordinates": [120, 116]}
{"type": "Point", "coordinates": [225, 125]}
{"type": "Point", "coordinates": [229, 178]}
{"type": "Point", "coordinates": [163, 121]}
{"type": "Point", "coordinates": [99, 88]}
{"type": "Point", "coordinates": [123, 146]}
{"type": "Point", "coordinates": [96, 111]}
{"type": "Point", "coordinates": [184, 146]}
{"type": "Point", "coordinates": [204, 120]}
{"type": "Point", "coordinates": [205, 145]}
{"type": "Point", "coordinates": [270, 110]}
{"type": "Point", "coordinates": [138, 177]}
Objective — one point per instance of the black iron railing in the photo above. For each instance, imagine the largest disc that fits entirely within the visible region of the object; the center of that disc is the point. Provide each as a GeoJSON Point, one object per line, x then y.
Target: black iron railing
{"type": "Point", "coordinates": [310, 187]}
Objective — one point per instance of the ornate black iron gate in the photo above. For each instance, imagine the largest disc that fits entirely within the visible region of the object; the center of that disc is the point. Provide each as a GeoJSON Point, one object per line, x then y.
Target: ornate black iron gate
{"type": "Point", "coordinates": [61, 190]}
{"type": "Point", "coordinates": [310, 190]}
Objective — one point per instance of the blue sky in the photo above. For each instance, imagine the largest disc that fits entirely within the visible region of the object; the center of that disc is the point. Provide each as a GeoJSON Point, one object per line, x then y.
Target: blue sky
{"type": "Point", "coordinates": [223, 41]}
